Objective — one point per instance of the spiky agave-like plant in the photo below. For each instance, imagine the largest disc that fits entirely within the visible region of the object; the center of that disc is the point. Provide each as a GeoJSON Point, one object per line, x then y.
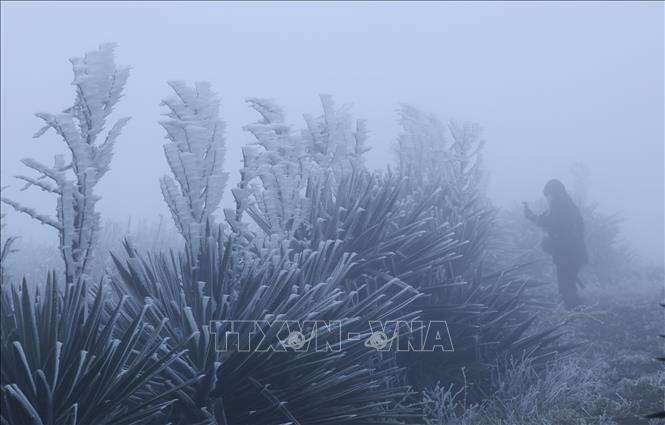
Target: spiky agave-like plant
{"type": "Point", "coordinates": [489, 328]}
{"type": "Point", "coordinates": [352, 385]}
{"type": "Point", "coordinates": [64, 361]}
{"type": "Point", "coordinates": [391, 235]}
{"type": "Point", "coordinates": [407, 234]}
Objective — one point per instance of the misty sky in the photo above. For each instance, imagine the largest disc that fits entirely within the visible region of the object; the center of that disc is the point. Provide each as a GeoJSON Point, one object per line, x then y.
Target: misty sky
{"type": "Point", "coordinates": [551, 84]}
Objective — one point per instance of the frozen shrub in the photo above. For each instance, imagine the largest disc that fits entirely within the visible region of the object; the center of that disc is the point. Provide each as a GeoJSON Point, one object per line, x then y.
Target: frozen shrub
{"type": "Point", "coordinates": [99, 84]}
{"type": "Point", "coordinates": [67, 361]}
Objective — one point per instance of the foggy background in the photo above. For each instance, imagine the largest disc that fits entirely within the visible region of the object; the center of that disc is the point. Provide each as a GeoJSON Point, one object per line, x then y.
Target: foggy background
{"type": "Point", "coordinates": [552, 84]}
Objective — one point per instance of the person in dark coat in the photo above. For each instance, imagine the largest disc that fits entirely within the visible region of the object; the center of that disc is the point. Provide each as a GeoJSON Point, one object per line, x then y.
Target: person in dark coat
{"type": "Point", "coordinates": [564, 226]}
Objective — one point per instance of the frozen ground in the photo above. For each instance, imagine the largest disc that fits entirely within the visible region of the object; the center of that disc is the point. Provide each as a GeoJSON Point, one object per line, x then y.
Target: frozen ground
{"type": "Point", "coordinates": [609, 377]}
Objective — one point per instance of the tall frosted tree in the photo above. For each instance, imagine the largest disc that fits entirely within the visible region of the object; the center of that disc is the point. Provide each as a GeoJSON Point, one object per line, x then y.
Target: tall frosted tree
{"type": "Point", "coordinates": [195, 153]}
{"type": "Point", "coordinates": [99, 84]}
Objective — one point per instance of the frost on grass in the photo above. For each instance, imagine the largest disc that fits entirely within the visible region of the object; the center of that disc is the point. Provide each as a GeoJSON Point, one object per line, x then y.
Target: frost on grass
{"type": "Point", "coordinates": [99, 84]}
{"type": "Point", "coordinates": [568, 391]}
{"type": "Point", "coordinates": [195, 154]}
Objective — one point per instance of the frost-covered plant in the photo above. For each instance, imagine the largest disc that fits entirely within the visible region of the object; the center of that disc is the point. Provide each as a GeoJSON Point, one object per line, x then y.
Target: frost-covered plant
{"type": "Point", "coordinates": [421, 148]}
{"type": "Point", "coordinates": [396, 233]}
{"type": "Point", "coordinates": [281, 165]}
{"type": "Point", "coordinates": [99, 84]}
{"type": "Point", "coordinates": [567, 391]}
{"type": "Point", "coordinates": [65, 360]}
{"type": "Point", "coordinates": [334, 141]}
{"type": "Point", "coordinates": [195, 154]}
{"type": "Point", "coordinates": [467, 177]}
{"type": "Point", "coordinates": [429, 152]}
{"type": "Point", "coordinates": [354, 386]}
{"type": "Point", "coordinates": [276, 168]}
{"type": "Point", "coordinates": [446, 406]}
{"type": "Point", "coordinates": [449, 157]}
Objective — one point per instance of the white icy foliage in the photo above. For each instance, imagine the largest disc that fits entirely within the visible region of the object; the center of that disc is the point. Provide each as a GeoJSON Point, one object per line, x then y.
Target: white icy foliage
{"type": "Point", "coordinates": [99, 84]}
{"type": "Point", "coordinates": [195, 154]}
{"type": "Point", "coordinates": [334, 142]}
{"type": "Point", "coordinates": [422, 146]}
{"type": "Point", "coordinates": [429, 152]}
{"type": "Point", "coordinates": [279, 166]}
{"type": "Point", "coordinates": [280, 163]}
{"type": "Point", "coordinates": [466, 152]}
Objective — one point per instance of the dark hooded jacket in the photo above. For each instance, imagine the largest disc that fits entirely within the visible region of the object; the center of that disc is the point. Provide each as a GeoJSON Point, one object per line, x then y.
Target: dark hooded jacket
{"type": "Point", "coordinates": [565, 231]}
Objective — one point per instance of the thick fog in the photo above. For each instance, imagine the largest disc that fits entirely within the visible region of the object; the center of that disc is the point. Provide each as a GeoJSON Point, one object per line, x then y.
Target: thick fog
{"type": "Point", "coordinates": [552, 84]}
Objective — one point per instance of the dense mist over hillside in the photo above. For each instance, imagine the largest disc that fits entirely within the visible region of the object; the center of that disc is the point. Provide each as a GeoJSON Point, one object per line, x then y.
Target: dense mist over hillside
{"type": "Point", "coordinates": [551, 84]}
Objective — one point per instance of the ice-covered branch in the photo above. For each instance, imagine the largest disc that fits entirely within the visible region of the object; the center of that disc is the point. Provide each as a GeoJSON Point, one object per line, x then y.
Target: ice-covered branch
{"type": "Point", "coordinates": [44, 219]}
{"type": "Point", "coordinates": [43, 185]}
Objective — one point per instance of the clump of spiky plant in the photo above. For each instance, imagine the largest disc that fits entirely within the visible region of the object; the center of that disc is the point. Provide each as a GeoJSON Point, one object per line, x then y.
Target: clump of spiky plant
{"type": "Point", "coordinates": [352, 385]}
{"type": "Point", "coordinates": [65, 361]}
{"type": "Point", "coordinates": [396, 232]}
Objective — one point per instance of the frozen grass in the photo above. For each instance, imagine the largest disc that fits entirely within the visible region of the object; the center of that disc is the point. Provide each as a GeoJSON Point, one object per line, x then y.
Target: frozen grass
{"type": "Point", "coordinates": [567, 392]}
{"type": "Point", "coordinates": [610, 378]}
